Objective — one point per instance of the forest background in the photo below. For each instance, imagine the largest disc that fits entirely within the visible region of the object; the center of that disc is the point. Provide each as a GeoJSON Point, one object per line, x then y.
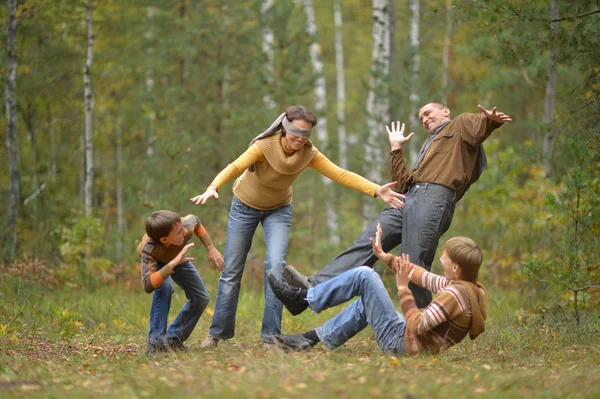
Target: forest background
{"type": "Point", "coordinates": [116, 109]}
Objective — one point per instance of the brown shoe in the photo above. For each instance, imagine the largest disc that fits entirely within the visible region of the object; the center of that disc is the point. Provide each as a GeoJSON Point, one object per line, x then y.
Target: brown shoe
{"type": "Point", "coordinates": [209, 342]}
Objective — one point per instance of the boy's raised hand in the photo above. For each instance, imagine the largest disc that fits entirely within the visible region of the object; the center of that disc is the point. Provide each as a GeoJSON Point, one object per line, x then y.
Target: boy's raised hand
{"type": "Point", "coordinates": [181, 258]}
{"type": "Point", "coordinates": [211, 192]}
{"type": "Point", "coordinates": [403, 269]}
{"type": "Point", "coordinates": [215, 259]}
{"type": "Point", "coordinates": [376, 243]}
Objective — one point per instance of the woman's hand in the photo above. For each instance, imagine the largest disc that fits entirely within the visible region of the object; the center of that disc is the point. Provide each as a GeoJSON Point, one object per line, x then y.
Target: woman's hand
{"type": "Point", "coordinates": [211, 192]}
{"type": "Point", "coordinates": [376, 244]}
{"type": "Point", "coordinates": [387, 194]}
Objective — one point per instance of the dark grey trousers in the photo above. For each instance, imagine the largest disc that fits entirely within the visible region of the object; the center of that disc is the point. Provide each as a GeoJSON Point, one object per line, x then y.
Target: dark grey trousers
{"type": "Point", "coordinates": [418, 226]}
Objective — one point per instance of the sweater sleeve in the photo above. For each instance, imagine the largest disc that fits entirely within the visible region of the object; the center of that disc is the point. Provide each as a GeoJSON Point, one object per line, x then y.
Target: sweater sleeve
{"type": "Point", "coordinates": [151, 278]}
{"type": "Point", "coordinates": [324, 166]}
{"type": "Point", "coordinates": [445, 306]}
{"type": "Point", "coordinates": [252, 155]}
{"type": "Point", "coordinates": [476, 128]}
{"type": "Point", "coordinates": [430, 281]}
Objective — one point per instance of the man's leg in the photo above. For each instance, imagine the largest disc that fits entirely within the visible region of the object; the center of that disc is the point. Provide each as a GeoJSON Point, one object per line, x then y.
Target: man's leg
{"type": "Point", "coordinates": [243, 221]}
{"type": "Point", "coordinates": [159, 313]}
{"type": "Point", "coordinates": [187, 277]}
{"type": "Point", "coordinates": [277, 230]}
{"type": "Point", "coordinates": [428, 214]}
{"type": "Point", "coordinates": [360, 253]}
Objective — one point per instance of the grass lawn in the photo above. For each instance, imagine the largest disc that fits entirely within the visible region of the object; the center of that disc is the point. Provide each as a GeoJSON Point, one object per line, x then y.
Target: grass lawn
{"type": "Point", "coordinates": [72, 343]}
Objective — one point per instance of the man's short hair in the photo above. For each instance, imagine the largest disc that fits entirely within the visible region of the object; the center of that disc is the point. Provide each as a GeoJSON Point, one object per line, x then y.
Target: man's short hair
{"type": "Point", "coordinates": [466, 253]}
{"type": "Point", "coordinates": [160, 224]}
{"type": "Point", "coordinates": [436, 105]}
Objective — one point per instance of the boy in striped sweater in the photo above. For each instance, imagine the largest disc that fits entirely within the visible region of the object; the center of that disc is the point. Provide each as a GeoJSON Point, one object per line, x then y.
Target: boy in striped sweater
{"type": "Point", "coordinates": [163, 257]}
{"type": "Point", "coordinates": [459, 306]}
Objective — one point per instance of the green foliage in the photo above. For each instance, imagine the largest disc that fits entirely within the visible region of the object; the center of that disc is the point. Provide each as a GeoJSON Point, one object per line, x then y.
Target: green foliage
{"type": "Point", "coordinates": [81, 242]}
{"type": "Point", "coordinates": [572, 228]}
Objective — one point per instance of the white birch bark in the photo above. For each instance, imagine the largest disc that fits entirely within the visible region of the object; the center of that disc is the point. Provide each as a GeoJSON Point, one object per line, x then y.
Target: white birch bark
{"type": "Point", "coordinates": [414, 80]}
{"type": "Point", "coordinates": [119, 189]}
{"type": "Point", "coordinates": [550, 89]}
{"type": "Point", "coordinates": [377, 101]}
{"type": "Point", "coordinates": [340, 86]}
{"type": "Point", "coordinates": [267, 47]}
{"type": "Point", "coordinates": [321, 112]}
{"type": "Point", "coordinates": [89, 107]}
{"type": "Point", "coordinates": [446, 52]}
{"type": "Point", "coordinates": [11, 136]}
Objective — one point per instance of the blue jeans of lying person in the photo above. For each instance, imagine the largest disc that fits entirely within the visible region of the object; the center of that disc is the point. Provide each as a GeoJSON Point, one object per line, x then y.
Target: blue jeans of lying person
{"type": "Point", "coordinates": [187, 278]}
{"type": "Point", "coordinates": [243, 221]}
{"type": "Point", "coordinates": [374, 307]}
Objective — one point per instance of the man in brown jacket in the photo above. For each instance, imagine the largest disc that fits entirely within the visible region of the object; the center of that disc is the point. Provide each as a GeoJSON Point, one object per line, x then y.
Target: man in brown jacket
{"type": "Point", "coordinates": [450, 160]}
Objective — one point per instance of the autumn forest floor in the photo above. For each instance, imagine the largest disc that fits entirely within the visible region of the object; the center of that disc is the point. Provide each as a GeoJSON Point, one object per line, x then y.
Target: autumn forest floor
{"type": "Point", "coordinates": [72, 343]}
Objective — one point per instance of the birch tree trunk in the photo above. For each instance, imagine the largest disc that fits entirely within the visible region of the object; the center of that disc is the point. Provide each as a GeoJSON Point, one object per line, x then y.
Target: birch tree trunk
{"type": "Point", "coordinates": [550, 89]}
{"type": "Point", "coordinates": [393, 62]}
{"type": "Point", "coordinates": [414, 80]}
{"type": "Point", "coordinates": [321, 111]}
{"type": "Point", "coordinates": [267, 47]}
{"type": "Point", "coordinates": [119, 189]}
{"type": "Point", "coordinates": [89, 106]}
{"type": "Point", "coordinates": [11, 136]}
{"type": "Point", "coordinates": [340, 86]}
{"type": "Point", "coordinates": [446, 54]}
{"type": "Point", "coordinates": [377, 101]}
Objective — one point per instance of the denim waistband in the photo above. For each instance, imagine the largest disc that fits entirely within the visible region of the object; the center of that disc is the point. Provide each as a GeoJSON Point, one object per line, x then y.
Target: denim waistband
{"type": "Point", "coordinates": [434, 189]}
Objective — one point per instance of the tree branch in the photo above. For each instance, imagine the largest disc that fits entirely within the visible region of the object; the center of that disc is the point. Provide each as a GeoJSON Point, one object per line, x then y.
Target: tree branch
{"type": "Point", "coordinates": [575, 17]}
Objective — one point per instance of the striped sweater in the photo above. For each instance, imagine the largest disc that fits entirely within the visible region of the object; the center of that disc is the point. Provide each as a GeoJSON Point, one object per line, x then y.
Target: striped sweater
{"type": "Point", "coordinates": [448, 319]}
{"type": "Point", "coordinates": [152, 253]}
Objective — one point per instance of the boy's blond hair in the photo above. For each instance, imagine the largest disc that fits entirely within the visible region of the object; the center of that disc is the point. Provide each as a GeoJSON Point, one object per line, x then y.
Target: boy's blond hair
{"type": "Point", "coordinates": [466, 253]}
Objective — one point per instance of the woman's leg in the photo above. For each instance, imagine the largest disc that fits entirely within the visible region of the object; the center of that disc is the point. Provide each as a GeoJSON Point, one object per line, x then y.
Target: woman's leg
{"type": "Point", "coordinates": [243, 221]}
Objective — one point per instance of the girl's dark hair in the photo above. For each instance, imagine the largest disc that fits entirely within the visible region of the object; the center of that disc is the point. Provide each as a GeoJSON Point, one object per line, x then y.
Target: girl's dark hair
{"type": "Point", "coordinates": [299, 112]}
{"type": "Point", "coordinates": [160, 224]}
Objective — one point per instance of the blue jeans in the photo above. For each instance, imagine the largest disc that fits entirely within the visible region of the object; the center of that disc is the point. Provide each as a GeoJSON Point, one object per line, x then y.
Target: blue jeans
{"type": "Point", "coordinates": [187, 278]}
{"type": "Point", "coordinates": [243, 221]}
{"type": "Point", "coordinates": [374, 308]}
{"type": "Point", "coordinates": [418, 226]}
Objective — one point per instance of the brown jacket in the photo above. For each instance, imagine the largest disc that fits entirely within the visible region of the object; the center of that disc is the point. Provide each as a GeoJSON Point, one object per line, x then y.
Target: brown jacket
{"type": "Point", "coordinates": [450, 159]}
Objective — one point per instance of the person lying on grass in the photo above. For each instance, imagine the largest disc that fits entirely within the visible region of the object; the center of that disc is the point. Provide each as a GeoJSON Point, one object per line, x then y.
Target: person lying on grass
{"type": "Point", "coordinates": [459, 306]}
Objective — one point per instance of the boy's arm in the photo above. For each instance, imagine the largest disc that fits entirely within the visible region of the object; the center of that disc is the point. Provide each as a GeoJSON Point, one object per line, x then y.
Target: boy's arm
{"type": "Point", "coordinates": [444, 307]}
{"type": "Point", "coordinates": [152, 278]}
{"type": "Point", "coordinates": [215, 259]}
{"type": "Point", "coordinates": [418, 275]}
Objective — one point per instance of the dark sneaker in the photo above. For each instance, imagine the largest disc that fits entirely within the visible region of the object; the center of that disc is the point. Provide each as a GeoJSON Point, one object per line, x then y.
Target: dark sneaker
{"type": "Point", "coordinates": [295, 278]}
{"type": "Point", "coordinates": [291, 297]}
{"type": "Point", "coordinates": [176, 346]}
{"type": "Point", "coordinates": [153, 349]}
{"type": "Point", "coordinates": [293, 343]}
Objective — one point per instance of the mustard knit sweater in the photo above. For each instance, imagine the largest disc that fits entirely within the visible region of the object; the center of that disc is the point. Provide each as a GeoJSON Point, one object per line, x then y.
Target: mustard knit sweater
{"type": "Point", "coordinates": [276, 169]}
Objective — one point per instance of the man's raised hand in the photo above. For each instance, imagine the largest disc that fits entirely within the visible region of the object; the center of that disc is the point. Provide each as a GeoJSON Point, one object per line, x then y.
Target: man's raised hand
{"type": "Point", "coordinates": [495, 115]}
{"type": "Point", "coordinates": [396, 135]}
